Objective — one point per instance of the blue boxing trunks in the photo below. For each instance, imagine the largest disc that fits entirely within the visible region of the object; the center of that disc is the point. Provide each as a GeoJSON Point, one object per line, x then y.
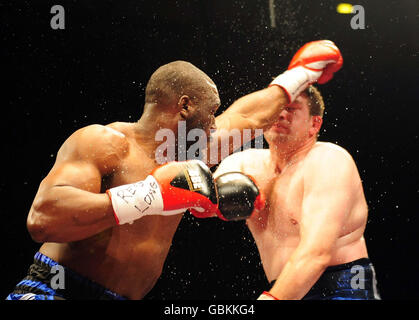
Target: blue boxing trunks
{"type": "Point", "coordinates": [355, 280]}
{"type": "Point", "coordinates": [39, 284]}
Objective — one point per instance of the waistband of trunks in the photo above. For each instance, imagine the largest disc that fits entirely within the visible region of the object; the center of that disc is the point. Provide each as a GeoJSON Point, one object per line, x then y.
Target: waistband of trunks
{"type": "Point", "coordinates": [349, 265]}
{"type": "Point", "coordinates": [76, 286]}
{"type": "Point", "coordinates": [343, 266]}
{"type": "Point", "coordinates": [355, 278]}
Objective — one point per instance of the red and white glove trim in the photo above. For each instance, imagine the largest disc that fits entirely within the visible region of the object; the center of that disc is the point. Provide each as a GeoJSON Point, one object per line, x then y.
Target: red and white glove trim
{"type": "Point", "coordinates": [296, 80]}
{"type": "Point", "coordinates": [267, 296]}
{"type": "Point", "coordinates": [133, 201]}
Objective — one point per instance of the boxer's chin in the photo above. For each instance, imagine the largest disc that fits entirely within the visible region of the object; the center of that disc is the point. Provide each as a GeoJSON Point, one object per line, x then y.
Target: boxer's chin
{"type": "Point", "coordinates": [276, 130]}
{"type": "Point", "coordinates": [277, 136]}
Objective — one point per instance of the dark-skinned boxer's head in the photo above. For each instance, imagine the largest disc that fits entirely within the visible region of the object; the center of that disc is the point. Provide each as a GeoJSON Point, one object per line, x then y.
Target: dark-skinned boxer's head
{"type": "Point", "coordinates": [180, 91]}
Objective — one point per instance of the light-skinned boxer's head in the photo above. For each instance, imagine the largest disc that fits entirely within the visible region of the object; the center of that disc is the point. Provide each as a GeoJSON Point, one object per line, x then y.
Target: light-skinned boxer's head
{"type": "Point", "coordinates": [299, 121]}
{"type": "Point", "coordinates": [179, 91]}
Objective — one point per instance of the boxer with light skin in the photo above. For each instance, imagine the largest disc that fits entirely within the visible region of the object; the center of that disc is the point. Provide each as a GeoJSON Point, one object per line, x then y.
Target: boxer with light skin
{"type": "Point", "coordinates": [107, 211]}
{"type": "Point", "coordinates": [310, 233]}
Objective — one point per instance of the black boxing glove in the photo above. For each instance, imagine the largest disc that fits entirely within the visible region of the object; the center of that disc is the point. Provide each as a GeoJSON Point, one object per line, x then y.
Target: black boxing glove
{"type": "Point", "coordinates": [238, 198]}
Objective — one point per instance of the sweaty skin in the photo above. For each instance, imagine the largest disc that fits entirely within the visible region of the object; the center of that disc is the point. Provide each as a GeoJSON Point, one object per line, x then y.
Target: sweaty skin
{"type": "Point", "coordinates": [316, 211]}
{"type": "Point", "coordinates": [74, 218]}
{"type": "Point", "coordinates": [325, 225]}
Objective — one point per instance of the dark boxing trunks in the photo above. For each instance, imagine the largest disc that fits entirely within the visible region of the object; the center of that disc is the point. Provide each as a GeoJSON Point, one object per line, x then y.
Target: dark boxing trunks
{"type": "Point", "coordinates": [355, 280]}
{"type": "Point", "coordinates": [39, 284]}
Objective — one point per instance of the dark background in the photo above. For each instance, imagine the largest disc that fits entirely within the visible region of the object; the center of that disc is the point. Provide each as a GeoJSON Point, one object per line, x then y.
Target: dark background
{"type": "Point", "coordinates": [95, 71]}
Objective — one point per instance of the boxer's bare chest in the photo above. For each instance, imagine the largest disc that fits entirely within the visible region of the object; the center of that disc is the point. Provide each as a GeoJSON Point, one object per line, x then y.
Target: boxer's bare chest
{"type": "Point", "coordinates": [136, 166]}
{"type": "Point", "coordinates": [283, 189]}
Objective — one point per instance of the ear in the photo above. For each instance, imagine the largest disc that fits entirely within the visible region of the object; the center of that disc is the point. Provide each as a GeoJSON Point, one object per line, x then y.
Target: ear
{"type": "Point", "coordinates": [184, 106]}
{"type": "Point", "coordinates": [316, 124]}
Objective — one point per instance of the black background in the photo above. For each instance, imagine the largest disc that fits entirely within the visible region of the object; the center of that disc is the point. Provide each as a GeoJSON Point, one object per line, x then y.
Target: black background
{"type": "Point", "coordinates": [95, 71]}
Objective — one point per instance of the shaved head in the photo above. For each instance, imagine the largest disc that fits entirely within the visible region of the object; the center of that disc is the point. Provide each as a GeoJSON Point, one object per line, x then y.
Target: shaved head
{"type": "Point", "coordinates": [178, 78]}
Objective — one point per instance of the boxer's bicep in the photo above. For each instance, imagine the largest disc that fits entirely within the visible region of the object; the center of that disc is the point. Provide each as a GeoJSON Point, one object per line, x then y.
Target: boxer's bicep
{"type": "Point", "coordinates": [328, 196]}
{"type": "Point", "coordinates": [69, 204]}
{"type": "Point", "coordinates": [78, 174]}
{"type": "Point", "coordinates": [66, 179]}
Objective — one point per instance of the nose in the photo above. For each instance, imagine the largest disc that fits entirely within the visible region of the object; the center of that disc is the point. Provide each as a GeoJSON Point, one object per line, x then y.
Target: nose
{"type": "Point", "coordinates": [283, 115]}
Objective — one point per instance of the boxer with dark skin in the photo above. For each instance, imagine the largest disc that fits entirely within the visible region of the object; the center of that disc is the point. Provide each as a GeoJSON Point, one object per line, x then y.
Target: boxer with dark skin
{"type": "Point", "coordinates": [75, 219]}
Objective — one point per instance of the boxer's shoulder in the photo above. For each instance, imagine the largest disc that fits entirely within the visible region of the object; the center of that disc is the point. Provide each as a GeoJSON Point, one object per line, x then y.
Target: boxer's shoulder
{"type": "Point", "coordinates": [257, 152]}
{"type": "Point", "coordinates": [239, 161]}
{"type": "Point", "coordinates": [248, 157]}
{"type": "Point", "coordinates": [95, 141]}
{"type": "Point", "coordinates": [103, 135]}
{"type": "Point", "coordinates": [94, 131]}
{"type": "Point", "coordinates": [327, 154]}
{"type": "Point", "coordinates": [328, 148]}
{"type": "Point", "coordinates": [254, 156]}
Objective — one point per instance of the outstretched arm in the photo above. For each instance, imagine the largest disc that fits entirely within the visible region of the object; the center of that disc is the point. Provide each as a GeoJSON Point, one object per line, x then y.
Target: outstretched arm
{"type": "Point", "coordinates": [315, 62]}
{"type": "Point", "coordinates": [70, 204]}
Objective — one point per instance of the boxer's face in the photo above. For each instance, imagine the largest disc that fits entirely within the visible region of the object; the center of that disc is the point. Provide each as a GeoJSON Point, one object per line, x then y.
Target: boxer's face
{"type": "Point", "coordinates": [202, 113]}
{"type": "Point", "coordinates": [294, 124]}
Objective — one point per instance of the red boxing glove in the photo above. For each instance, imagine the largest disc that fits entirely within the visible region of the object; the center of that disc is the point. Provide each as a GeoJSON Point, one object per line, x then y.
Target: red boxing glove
{"type": "Point", "coordinates": [322, 55]}
{"type": "Point", "coordinates": [316, 61]}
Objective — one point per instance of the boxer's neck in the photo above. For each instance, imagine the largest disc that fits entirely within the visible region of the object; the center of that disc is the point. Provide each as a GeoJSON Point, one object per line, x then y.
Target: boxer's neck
{"type": "Point", "coordinates": [284, 156]}
{"type": "Point", "coordinates": [146, 128]}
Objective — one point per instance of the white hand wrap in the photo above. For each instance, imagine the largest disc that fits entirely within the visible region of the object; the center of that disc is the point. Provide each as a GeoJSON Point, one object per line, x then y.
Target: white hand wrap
{"type": "Point", "coordinates": [133, 201]}
{"type": "Point", "coordinates": [296, 80]}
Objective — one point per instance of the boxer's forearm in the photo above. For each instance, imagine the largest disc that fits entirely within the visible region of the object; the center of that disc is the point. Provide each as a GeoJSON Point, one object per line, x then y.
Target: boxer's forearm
{"type": "Point", "coordinates": [298, 276]}
{"type": "Point", "coordinates": [66, 214]}
{"type": "Point", "coordinates": [257, 110]}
